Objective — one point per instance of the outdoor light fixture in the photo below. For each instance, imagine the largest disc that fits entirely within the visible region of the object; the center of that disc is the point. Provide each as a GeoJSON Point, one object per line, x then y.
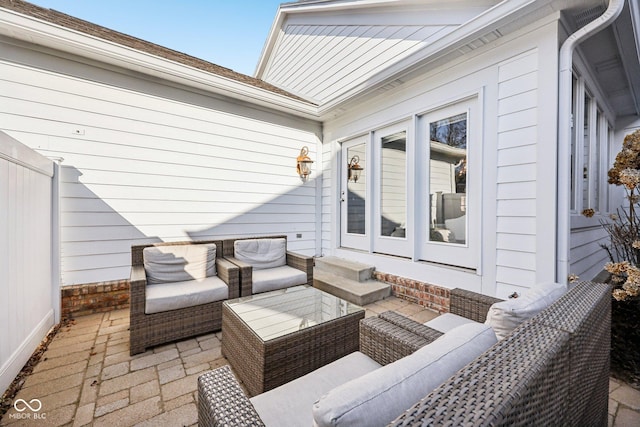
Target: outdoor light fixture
{"type": "Point", "coordinates": [354, 169]}
{"type": "Point", "coordinates": [304, 163]}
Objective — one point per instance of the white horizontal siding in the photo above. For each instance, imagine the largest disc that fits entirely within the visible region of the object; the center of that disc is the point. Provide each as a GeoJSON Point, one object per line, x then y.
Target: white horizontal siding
{"type": "Point", "coordinates": [140, 167]}
{"type": "Point", "coordinates": [587, 257]}
{"type": "Point", "coordinates": [329, 199]}
{"type": "Point", "coordinates": [511, 81]}
{"type": "Point", "coordinates": [516, 176]}
{"type": "Point", "coordinates": [26, 288]}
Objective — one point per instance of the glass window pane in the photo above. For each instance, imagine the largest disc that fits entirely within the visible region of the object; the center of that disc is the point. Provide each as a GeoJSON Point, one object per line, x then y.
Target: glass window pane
{"type": "Point", "coordinates": [595, 202]}
{"type": "Point", "coordinates": [356, 189]}
{"type": "Point", "coordinates": [586, 152]}
{"type": "Point", "coordinates": [393, 185]}
{"type": "Point", "coordinates": [574, 105]}
{"type": "Point", "coordinates": [448, 180]}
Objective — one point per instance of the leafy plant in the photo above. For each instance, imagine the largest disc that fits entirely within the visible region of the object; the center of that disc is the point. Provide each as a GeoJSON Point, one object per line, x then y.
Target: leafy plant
{"type": "Point", "coordinates": [624, 227]}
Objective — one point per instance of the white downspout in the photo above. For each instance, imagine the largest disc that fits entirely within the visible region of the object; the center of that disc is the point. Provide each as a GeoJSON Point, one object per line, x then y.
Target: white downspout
{"type": "Point", "coordinates": [564, 132]}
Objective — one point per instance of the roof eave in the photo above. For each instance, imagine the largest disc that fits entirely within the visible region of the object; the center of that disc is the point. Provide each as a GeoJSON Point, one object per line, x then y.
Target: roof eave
{"type": "Point", "coordinates": [23, 27]}
{"type": "Point", "coordinates": [290, 8]}
{"type": "Point", "coordinates": [472, 30]}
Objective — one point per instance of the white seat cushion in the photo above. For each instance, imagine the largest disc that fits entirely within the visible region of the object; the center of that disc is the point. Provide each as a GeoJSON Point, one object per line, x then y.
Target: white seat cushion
{"type": "Point", "coordinates": [172, 296]}
{"type": "Point", "coordinates": [377, 398]}
{"type": "Point", "coordinates": [290, 404]}
{"type": "Point", "coordinates": [277, 278]}
{"type": "Point", "coordinates": [179, 263]}
{"type": "Point", "coordinates": [261, 253]}
{"type": "Point", "coordinates": [505, 316]}
{"type": "Point", "coordinates": [447, 321]}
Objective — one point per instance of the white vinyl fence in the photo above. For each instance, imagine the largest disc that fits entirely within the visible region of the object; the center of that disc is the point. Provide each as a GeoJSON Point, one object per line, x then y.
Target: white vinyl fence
{"type": "Point", "coordinates": [28, 294]}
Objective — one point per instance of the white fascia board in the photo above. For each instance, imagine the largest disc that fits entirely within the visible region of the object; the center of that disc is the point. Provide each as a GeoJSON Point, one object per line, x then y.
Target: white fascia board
{"type": "Point", "coordinates": [269, 44]}
{"type": "Point", "coordinates": [466, 33]}
{"type": "Point", "coordinates": [56, 37]}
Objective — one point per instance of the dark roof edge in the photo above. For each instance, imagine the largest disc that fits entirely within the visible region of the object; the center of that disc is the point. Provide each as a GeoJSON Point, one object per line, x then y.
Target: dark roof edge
{"type": "Point", "coordinates": [89, 28]}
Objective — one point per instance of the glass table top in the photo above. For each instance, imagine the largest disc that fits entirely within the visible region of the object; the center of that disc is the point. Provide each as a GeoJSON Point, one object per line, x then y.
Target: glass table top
{"type": "Point", "coordinates": [274, 314]}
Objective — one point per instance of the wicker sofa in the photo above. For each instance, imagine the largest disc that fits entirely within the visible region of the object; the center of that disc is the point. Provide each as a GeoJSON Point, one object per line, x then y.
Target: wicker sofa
{"type": "Point", "coordinates": [257, 274]}
{"type": "Point", "coordinates": [551, 370]}
{"type": "Point", "coordinates": [149, 328]}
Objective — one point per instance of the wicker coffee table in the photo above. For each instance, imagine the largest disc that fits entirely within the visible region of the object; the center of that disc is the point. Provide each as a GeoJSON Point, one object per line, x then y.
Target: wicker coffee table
{"type": "Point", "coordinates": [272, 338]}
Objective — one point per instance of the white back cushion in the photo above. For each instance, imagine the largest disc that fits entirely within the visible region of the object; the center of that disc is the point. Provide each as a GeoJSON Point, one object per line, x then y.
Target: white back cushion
{"type": "Point", "coordinates": [377, 398]}
{"type": "Point", "coordinates": [261, 253]}
{"type": "Point", "coordinates": [505, 316]}
{"type": "Point", "coordinates": [458, 226]}
{"type": "Point", "coordinates": [179, 263]}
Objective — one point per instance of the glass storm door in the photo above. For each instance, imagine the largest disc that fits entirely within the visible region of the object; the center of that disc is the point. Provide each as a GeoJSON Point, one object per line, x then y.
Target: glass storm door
{"type": "Point", "coordinates": [354, 209]}
{"type": "Point", "coordinates": [392, 227]}
{"type": "Point", "coordinates": [451, 214]}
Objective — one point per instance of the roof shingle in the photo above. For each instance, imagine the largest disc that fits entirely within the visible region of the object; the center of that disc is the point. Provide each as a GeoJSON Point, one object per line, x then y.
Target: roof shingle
{"type": "Point", "coordinates": [86, 27]}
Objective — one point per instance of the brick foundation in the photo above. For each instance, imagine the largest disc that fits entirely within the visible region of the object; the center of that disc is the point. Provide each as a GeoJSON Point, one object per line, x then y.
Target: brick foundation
{"type": "Point", "coordinates": [427, 295]}
{"type": "Point", "coordinates": [80, 300]}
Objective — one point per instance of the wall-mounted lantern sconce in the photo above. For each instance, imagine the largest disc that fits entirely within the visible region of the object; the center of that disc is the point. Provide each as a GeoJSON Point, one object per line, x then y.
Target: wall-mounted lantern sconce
{"type": "Point", "coordinates": [354, 169]}
{"type": "Point", "coordinates": [304, 163]}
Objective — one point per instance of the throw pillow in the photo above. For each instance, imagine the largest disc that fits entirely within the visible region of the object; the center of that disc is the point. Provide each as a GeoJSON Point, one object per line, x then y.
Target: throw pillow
{"type": "Point", "coordinates": [505, 316]}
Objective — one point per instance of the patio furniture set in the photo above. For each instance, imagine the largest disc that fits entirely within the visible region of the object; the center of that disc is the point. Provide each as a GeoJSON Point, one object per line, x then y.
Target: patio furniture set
{"type": "Point", "coordinates": [177, 289]}
{"type": "Point", "coordinates": [300, 356]}
{"type": "Point", "coordinates": [550, 369]}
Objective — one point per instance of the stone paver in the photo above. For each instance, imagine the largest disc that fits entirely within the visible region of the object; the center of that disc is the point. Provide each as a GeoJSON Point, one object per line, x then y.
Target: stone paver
{"type": "Point", "coordinates": [127, 381]}
{"type": "Point", "coordinates": [627, 396]}
{"type": "Point", "coordinates": [87, 376]}
{"type": "Point", "coordinates": [179, 387]}
{"type": "Point", "coordinates": [154, 359]}
{"type": "Point", "coordinates": [132, 414]}
{"type": "Point", "coordinates": [172, 373]}
{"type": "Point", "coordinates": [144, 391]}
{"type": "Point", "coordinates": [84, 415]}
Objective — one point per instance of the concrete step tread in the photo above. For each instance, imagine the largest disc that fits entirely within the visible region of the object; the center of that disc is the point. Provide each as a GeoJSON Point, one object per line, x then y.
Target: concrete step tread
{"type": "Point", "coordinates": [346, 268]}
{"type": "Point", "coordinates": [334, 260]}
{"type": "Point", "coordinates": [357, 292]}
{"type": "Point", "coordinates": [366, 285]}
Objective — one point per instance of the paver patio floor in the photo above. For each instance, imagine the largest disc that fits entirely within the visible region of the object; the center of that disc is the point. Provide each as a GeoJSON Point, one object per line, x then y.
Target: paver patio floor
{"type": "Point", "coordinates": [86, 377]}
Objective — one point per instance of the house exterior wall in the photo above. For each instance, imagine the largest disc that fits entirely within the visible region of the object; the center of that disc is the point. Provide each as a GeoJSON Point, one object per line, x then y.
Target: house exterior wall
{"type": "Point", "coordinates": [586, 255]}
{"type": "Point", "coordinates": [26, 290]}
{"type": "Point", "coordinates": [514, 80]}
{"type": "Point", "coordinates": [147, 161]}
{"type": "Point", "coordinates": [587, 234]}
{"type": "Point", "coordinates": [323, 54]}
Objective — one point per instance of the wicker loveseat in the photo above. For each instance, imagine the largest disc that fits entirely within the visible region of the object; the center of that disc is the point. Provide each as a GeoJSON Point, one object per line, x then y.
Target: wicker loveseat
{"type": "Point", "coordinates": [195, 315]}
{"type": "Point", "coordinates": [551, 370]}
{"type": "Point", "coordinates": [266, 264]}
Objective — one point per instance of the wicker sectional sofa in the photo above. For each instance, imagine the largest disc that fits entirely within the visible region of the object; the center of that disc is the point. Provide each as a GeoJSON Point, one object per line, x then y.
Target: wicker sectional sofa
{"type": "Point", "coordinates": [553, 369]}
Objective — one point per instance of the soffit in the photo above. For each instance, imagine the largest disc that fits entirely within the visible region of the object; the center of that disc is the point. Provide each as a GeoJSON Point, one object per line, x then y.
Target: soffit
{"type": "Point", "coordinates": [613, 55]}
{"type": "Point", "coordinates": [322, 54]}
